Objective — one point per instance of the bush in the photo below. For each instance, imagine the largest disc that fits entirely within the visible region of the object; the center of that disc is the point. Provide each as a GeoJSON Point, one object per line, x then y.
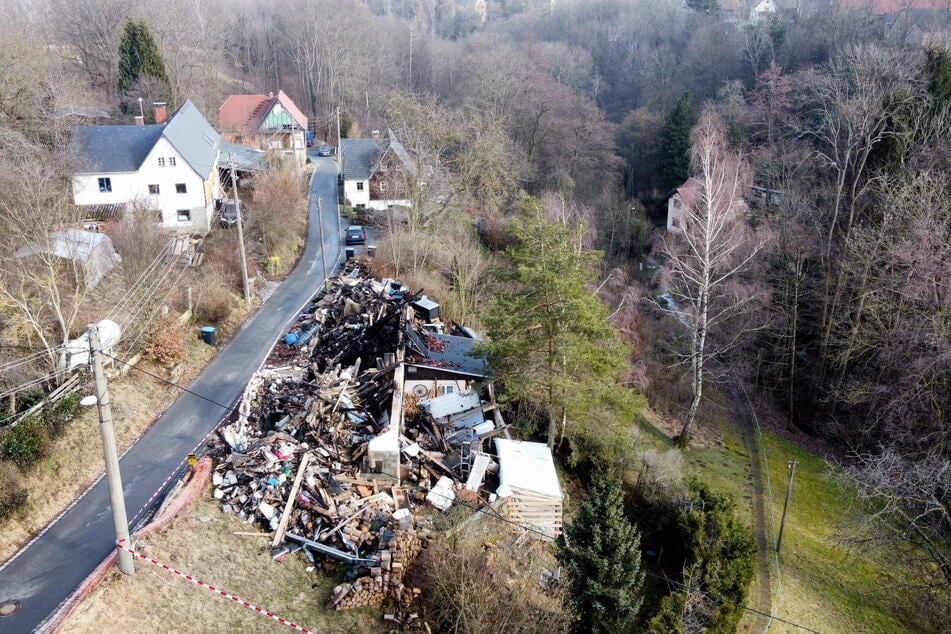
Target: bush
{"type": "Point", "coordinates": [214, 298]}
{"type": "Point", "coordinates": [166, 341]}
{"type": "Point", "coordinates": [57, 415]}
{"type": "Point", "coordinates": [26, 443]}
{"type": "Point", "coordinates": [13, 494]}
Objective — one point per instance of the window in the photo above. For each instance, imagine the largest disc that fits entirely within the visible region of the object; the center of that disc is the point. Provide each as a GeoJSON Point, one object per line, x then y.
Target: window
{"type": "Point", "coordinates": [171, 161]}
{"type": "Point", "coordinates": [180, 188]}
{"type": "Point", "coordinates": [446, 389]}
{"type": "Point", "coordinates": [161, 161]}
{"type": "Point", "coordinates": [184, 215]}
{"type": "Point", "coordinates": [154, 189]}
{"type": "Point", "coordinates": [382, 187]}
{"type": "Point", "coordinates": [359, 186]}
{"type": "Point", "coordinates": [105, 184]}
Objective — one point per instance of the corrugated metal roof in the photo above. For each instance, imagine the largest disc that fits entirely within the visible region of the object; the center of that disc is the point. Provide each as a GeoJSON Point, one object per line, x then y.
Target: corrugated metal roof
{"type": "Point", "coordinates": [112, 148]}
{"type": "Point", "coordinates": [527, 466]}
{"type": "Point", "coordinates": [246, 159]}
{"type": "Point", "coordinates": [449, 404]}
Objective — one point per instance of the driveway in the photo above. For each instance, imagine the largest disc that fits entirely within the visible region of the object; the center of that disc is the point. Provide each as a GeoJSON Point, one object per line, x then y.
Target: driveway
{"type": "Point", "coordinates": [45, 573]}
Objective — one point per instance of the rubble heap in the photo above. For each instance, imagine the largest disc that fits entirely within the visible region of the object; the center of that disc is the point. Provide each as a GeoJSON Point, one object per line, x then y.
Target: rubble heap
{"type": "Point", "coordinates": [293, 460]}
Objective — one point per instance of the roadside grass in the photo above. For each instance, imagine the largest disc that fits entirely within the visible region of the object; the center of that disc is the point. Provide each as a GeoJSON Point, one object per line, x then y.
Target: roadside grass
{"type": "Point", "coordinates": [205, 543]}
{"type": "Point", "coordinates": [828, 585]}
{"type": "Point", "coordinates": [75, 460]}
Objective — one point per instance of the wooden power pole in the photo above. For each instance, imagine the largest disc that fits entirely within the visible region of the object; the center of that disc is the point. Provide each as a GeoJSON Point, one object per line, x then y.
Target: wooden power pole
{"type": "Point", "coordinates": [237, 209]}
{"type": "Point", "coordinates": [791, 465]}
{"type": "Point", "coordinates": [109, 453]}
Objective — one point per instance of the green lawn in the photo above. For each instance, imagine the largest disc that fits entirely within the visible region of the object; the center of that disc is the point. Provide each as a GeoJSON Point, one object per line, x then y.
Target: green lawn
{"type": "Point", "coordinates": [826, 584]}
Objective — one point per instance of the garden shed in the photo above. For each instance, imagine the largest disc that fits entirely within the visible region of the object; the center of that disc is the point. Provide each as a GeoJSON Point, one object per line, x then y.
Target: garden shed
{"type": "Point", "coordinates": [528, 485]}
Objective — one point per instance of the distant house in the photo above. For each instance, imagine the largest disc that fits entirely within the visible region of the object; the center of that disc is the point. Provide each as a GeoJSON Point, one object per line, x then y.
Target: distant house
{"type": "Point", "coordinates": [169, 166]}
{"type": "Point", "coordinates": [680, 199]}
{"type": "Point", "coordinates": [271, 123]}
{"type": "Point", "coordinates": [762, 10]}
{"type": "Point", "coordinates": [373, 171]}
{"type": "Point", "coordinates": [91, 251]}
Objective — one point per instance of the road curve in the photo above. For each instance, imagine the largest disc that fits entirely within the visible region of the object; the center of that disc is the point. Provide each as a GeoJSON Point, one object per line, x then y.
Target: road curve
{"type": "Point", "coordinates": [46, 572]}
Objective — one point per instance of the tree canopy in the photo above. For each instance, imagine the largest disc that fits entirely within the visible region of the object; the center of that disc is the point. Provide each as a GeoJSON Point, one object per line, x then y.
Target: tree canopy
{"type": "Point", "coordinates": [674, 160]}
{"type": "Point", "coordinates": [601, 552]}
{"type": "Point", "coordinates": [139, 57]}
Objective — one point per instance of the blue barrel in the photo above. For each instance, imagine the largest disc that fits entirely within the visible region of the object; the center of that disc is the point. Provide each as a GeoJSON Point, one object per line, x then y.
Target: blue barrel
{"type": "Point", "coordinates": [291, 338]}
{"type": "Point", "coordinates": [209, 335]}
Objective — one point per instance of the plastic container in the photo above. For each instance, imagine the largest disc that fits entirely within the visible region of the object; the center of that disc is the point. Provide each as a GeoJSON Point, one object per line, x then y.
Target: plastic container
{"type": "Point", "coordinates": [209, 334]}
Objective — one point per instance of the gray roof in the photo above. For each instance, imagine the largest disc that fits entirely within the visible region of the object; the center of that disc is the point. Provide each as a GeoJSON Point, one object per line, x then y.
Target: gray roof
{"type": "Point", "coordinates": [359, 157]}
{"type": "Point", "coordinates": [401, 152]}
{"type": "Point", "coordinates": [113, 148]}
{"type": "Point", "coordinates": [123, 148]}
{"type": "Point", "coordinates": [246, 158]}
{"type": "Point", "coordinates": [194, 138]}
{"type": "Point", "coordinates": [446, 352]}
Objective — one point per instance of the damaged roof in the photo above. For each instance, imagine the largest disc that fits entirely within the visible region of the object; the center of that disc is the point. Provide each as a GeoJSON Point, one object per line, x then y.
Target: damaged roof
{"type": "Point", "coordinates": [446, 352]}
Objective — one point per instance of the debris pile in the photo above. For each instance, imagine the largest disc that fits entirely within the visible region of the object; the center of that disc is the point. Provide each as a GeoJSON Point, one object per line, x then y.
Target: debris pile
{"type": "Point", "coordinates": [397, 551]}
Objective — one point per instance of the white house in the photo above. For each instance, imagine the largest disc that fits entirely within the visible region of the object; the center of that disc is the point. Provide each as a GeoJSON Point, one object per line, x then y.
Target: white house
{"type": "Point", "coordinates": [169, 166]}
{"type": "Point", "coordinates": [372, 171]}
{"type": "Point", "coordinates": [761, 10]}
{"type": "Point", "coordinates": [681, 198]}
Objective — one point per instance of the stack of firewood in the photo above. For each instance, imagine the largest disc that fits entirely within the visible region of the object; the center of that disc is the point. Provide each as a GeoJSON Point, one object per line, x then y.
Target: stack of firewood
{"type": "Point", "coordinates": [395, 555]}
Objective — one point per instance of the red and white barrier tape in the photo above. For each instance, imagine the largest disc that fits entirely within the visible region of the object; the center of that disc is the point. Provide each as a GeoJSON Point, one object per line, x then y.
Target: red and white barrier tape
{"type": "Point", "coordinates": [174, 472]}
{"type": "Point", "coordinates": [218, 591]}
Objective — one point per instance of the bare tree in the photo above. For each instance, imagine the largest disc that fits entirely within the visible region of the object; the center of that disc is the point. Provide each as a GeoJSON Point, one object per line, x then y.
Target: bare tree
{"type": "Point", "coordinates": [908, 504]}
{"type": "Point", "coordinates": [41, 295]}
{"type": "Point", "coordinates": [90, 31]}
{"type": "Point", "coordinates": [711, 250]}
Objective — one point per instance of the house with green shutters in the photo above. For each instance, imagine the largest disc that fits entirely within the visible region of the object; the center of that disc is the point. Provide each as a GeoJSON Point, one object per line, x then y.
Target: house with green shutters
{"type": "Point", "coordinates": [270, 123]}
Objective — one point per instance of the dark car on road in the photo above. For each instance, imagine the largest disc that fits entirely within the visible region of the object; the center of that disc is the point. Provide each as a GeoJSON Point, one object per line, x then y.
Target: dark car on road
{"type": "Point", "coordinates": [356, 235]}
{"type": "Point", "coordinates": [323, 150]}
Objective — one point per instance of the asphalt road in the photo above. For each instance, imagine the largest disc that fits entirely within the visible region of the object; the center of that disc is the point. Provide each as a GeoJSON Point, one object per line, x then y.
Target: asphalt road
{"type": "Point", "coordinates": [45, 573]}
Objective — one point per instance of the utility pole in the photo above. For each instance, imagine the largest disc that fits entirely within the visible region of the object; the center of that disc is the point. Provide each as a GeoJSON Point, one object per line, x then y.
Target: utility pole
{"type": "Point", "coordinates": [339, 153]}
{"type": "Point", "coordinates": [791, 466]}
{"type": "Point", "coordinates": [320, 229]}
{"type": "Point", "coordinates": [237, 209]}
{"type": "Point", "coordinates": [109, 453]}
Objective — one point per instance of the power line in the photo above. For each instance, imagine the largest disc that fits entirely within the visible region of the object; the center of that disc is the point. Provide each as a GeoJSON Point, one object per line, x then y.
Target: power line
{"type": "Point", "coordinates": [164, 380]}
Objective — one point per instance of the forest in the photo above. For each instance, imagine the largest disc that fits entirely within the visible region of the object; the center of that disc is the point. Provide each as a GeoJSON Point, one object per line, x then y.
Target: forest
{"type": "Point", "coordinates": [806, 276]}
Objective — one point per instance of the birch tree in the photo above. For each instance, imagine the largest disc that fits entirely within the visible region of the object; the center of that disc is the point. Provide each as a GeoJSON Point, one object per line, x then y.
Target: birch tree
{"type": "Point", "coordinates": [709, 253]}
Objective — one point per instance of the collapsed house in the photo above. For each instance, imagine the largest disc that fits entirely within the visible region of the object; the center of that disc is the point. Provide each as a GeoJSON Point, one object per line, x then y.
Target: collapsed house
{"type": "Point", "coordinates": [365, 415]}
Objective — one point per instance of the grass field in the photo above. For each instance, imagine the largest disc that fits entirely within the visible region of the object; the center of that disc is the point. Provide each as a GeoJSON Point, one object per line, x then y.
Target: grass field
{"type": "Point", "coordinates": [214, 547]}
{"type": "Point", "coordinates": [826, 584]}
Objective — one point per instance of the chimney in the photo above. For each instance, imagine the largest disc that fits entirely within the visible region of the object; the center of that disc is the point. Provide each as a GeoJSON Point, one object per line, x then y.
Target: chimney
{"type": "Point", "coordinates": [375, 134]}
{"type": "Point", "coordinates": [139, 120]}
{"type": "Point", "coordinates": [160, 113]}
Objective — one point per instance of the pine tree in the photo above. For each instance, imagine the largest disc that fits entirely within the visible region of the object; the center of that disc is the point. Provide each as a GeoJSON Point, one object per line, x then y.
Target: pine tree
{"type": "Point", "coordinates": [600, 550]}
{"type": "Point", "coordinates": [139, 57]}
{"type": "Point", "coordinates": [675, 143]}
{"type": "Point", "coordinates": [549, 341]}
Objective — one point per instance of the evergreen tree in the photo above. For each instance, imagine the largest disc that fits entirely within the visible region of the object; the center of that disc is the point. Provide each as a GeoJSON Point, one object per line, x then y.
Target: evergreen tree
{"type": "Point", "coordinates": [549, 342]}
{"type": "Point", "coordinates": [600, 550]}
{"type": "Point", "coordinates": [139, 57]}
{"type": "Point", "coordinates": [675, 143]}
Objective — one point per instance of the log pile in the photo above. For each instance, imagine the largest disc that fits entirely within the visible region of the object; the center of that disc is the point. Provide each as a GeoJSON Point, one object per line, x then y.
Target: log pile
{"type": "Point", "coordinates": [394, 555]}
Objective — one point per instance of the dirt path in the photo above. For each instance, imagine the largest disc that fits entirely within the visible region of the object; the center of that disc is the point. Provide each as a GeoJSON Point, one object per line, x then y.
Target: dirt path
{"type": "Point", "coordinates": [761, 594]}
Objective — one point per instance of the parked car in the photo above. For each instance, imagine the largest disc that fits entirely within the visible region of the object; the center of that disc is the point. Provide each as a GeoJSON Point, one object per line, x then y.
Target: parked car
{"type": "Point", "coordinates": [229, 214]}
{"type": "Point", "coordinates": [323, 150]}
{"type": "Point", "coordinates": [356, 235]}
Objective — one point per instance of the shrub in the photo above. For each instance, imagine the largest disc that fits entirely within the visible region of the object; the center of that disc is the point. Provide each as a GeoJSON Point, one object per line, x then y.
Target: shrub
{"type": "Point", "coordinates": [214, 298]}
{"type": "Point", "coordinates": [166, 341]}
{"type": "Point", "coordinates": [13, 494]}
{"type": "Point", "coordinates": [57, 415]}
{"type": "Point", "coordinates": [26, 443]}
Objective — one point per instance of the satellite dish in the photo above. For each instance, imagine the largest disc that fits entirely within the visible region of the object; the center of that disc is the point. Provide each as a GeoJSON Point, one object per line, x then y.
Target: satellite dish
{"type": "Point", "coordinates": [88, 401]}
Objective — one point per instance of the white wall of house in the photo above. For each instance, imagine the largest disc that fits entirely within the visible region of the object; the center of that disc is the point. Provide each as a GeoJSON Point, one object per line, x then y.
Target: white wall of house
{"type": "Point", "coordinates": [357, 194]}
{"type": "Point", "coordinates": [675, 214]}
{"type": "Point", "coordinates": [434, 387]}
{"type": "Point", "coordinates": [189, 211]}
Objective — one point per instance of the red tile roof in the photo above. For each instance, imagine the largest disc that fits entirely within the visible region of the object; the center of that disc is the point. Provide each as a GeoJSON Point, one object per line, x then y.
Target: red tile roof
{"type": "Point", "coordinates": [244, 113]}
